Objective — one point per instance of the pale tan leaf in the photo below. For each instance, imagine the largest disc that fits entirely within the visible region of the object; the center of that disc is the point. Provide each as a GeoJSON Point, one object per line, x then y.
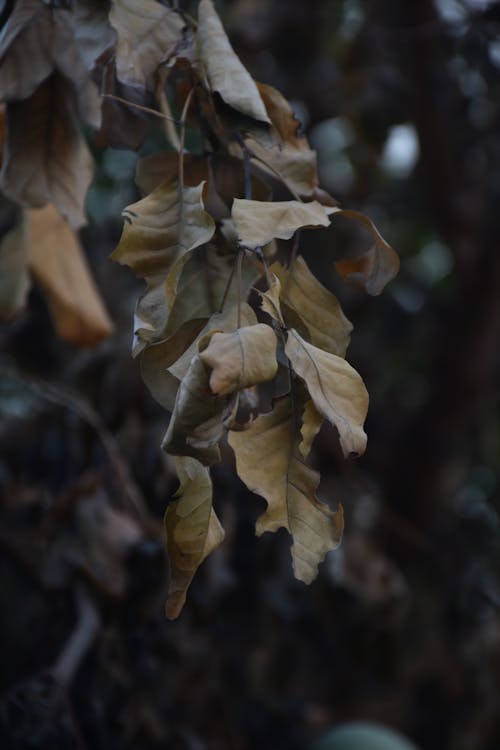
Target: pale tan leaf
{"type": "Point", "coordinates": [197, 422]}
{"type": "Point", "coordinates": [193, 530]}
{"type": "Point", "coordinates": [268, 461]}
{"type": "Point", "coordinates": [259, 222]}
{"type": "Point", "coordinates": [45, 159]}
{"type": "Point", "coordinates": [240, 359]}
{"type": "Point", "coordinates": [311, 425]}
{"type": "Point", "coordinates": [336, 389]}
{"type": "Point", "coordinates": [14, 279]}
{"type": "Point", "coordinates": [225, 322]}
{"type": "Point", "coordinates": [374, 268]}
{"type": "Point", "coordinates": [161, 229]}
{"type": "Point", "coordinates": [148, 34]}
{"type": "Point", "coordinates": [58, 264]}
{"type": "Point", "coordinates": [316, 306]}
{"type": "Point", "coordinates": [224, 70]}
{"type": "Point", "coordinates": [270, 300]}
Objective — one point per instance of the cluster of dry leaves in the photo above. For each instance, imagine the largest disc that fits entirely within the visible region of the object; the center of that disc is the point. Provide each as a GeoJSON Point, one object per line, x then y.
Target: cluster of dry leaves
{"type": "Point", "coordinates": [235, 335]}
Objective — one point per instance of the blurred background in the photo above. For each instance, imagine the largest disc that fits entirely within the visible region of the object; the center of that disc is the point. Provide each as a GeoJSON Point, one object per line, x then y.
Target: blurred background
{"type": "Point", "coordinates": [402, 627]}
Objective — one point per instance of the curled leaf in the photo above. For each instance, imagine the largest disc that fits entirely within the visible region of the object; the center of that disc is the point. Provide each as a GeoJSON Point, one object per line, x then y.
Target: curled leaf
{"type": "Point", "coordinates": [193, 530]}
{"type": "Point", "coordinates": [259, 222]}
{"type": "Point", "coordinates": [316, 306]}
{"type": "Point", "coordinates": [268, 461]}
{"type": "Point", "coordinates": [270, 300]}
{"type": "Point", "coordinates": [162, 228]}
{"type": "Point", "coordinates": [224, 70]}
{"type": "Point", "coordinates": [311, 425]}
{"type": "Point", "coordinates": [336, 389]}
{"type": "Point", "coordinates": [376, 267]}
{"type": "Point", "coordinates": [240, 359]}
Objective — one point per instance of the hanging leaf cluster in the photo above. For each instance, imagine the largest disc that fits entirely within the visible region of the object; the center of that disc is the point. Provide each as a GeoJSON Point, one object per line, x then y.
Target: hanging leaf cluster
{"type": "Point", "coordinates": [236, 337]}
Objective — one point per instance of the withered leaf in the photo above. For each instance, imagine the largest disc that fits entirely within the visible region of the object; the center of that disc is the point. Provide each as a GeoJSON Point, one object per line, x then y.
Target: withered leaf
{"type": "Point", "coordinates": [336, 389]}
{"type": "Point", "coordinates": [317, 307]}
{"type": "Point", "coordinates": [259, 222]}
{"type": "Point", "coordinates": [269, 462]}
{"type": "Point", "coordinates": [148, 34]}
{"type": "Point", "coordinates": [58, 264]}
{"type": "Point", "coordinates": [45, 158]}
{"type": "Point", "coordinates": [374, 268]}
{"type": "Point", "coordinates": [197, 422]}
{"type": "Point", "coordinates": [311, 425]}
{"type": "Point", "coordinates": [193, 530]}
{"type": "Point", "coordinates": [224, 70]}
{"type": "Point", "coordinates": [161, 229]}
{"type": "Point", "coordinates": [240, 359]}
{"type": "Point", "coordinates": [14, 279]}
{"type": "Point", "coordinates": [270, 300]}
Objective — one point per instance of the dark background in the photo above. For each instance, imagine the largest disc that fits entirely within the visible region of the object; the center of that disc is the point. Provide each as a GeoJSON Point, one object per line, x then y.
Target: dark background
{"type": "Point", "coordinates": [401, 101]}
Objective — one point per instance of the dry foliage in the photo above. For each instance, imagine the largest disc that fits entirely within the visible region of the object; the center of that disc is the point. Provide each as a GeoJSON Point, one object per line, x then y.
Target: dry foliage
{"type": "Point", "coordinates": [202, 237]}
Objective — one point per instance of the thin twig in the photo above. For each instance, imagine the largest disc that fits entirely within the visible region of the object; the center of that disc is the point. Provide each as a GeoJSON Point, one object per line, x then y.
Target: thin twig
{"type": "Point", "coordinates": [183, 138]}
{"type": "Point", "coordinates": [80, 640]}
{"type": "Point", "coordinates": [161, 95]}
{"type": "Point", "coordinates": [141, 107]}
{"type": "Point", "coordinates": [239, 265]}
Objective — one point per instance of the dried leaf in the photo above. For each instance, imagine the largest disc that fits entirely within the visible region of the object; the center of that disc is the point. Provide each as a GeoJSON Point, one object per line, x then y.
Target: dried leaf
{"type": "Point", "coordinates": [197, 422]}
{"type": "Point", "coordinates": [223, 68]}
{"type": "Point", "coordinates": [240, 359]}
{"type": "Point", "coordinates": [259, 222]}
{"type": "Point", "coordinates": [158, 357]}
{"type": "Point", "coordinates": [45, 158]}
{"type": "Point", "coordinates": [268, 461]}
{"type": "Point", "coordinates": [58, 264]}
{"type": "Point", "coordinates": [336, 389]}
{"type": "Point", "coordinates": [161, 229]}
{"type": "Point", "coordinates": [376, 267]}
{"type": "Point", "coordinates": [193, 530]}
{"type": "Point", "coordinates": [148, 35]}
{"type": "Point", "coordinates": [311, 425]}
{"type": "Point", "coordinates": [225, 322]}
{"type": "Point", "coordinates": [14, 279]}
{"type": "Point", "coordinates": [317, 307]}
{"type": "Point", "coordinates": [270, 300]}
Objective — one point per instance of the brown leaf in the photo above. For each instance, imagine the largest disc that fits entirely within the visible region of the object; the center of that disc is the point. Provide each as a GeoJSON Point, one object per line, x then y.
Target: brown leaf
{"type": "Point", "coordinates": [316, 306]}
{"type": "Point", "coordinates": [268, 461]}
{"type": "Point", "coordinates": [259, 222]}
{"type": "Point", "coordinates": [45, 159]}
{"type": "Point", "coordinates": [223, 68]}
{"type": "Point", "coordinates": [193, 530]}
{"type": "Point", "coordinates": [240, 359]}
{"type": "Point", "coordinates": [58, 264]}
{"type": "Point", "coordinates": [336, 389]}
{"type": "Point", "coordinates": [376, 267]}
{"type": "Point", "coordinates": [311, 425]}
{"type": "Point", "coordinates": [161, 229]}
{"type": "Point", "coordinates": [148, 35]}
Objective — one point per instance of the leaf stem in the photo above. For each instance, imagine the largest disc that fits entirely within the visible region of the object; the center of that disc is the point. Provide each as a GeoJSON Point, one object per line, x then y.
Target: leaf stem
{"type": "Point", "coordinates": [239, 265]}
{"type": "Point", "coordinates": [170, 131]}
{"type": "Point", "coordinates": [140, 106]}
{"type": "Point", "coordinates": [183, 138]}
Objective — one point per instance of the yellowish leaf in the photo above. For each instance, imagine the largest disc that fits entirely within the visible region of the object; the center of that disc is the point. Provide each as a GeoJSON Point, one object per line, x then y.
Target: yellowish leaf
{"type": "Point", "coordinates": [225, 322]}
{"type": "Point", "coordinates": [374, 268]}
{"type": "Point", "coordinates": [193, 530]}
{"type": "Point", "coordinates": [317, 307]}
{"type": "Point", "coordinates": [268, 461]}
{"type": "Point", "coordinates": [311, 425]}
{"type": "Point", "coordinates": [336, 389]}
{"type": "Point", "coordinates": [270, 300]}
{"type": "Point", "coordinates": [240, 359]}
{"type": "Point", "coordinates": [162, 228]}
{"type": "Point", "coordinates": [58, 264]}
{"type": "Point", "coordinates": [224, 70]}
{"type": "Point", "coordinates": [258, 222]}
